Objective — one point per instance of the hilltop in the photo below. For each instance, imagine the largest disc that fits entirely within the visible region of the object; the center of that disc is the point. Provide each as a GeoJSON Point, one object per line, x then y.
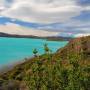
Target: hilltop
{"type": "Point", "coordinates": [67, 69]}
{"type": "Point", "coordinates": [80, 46]}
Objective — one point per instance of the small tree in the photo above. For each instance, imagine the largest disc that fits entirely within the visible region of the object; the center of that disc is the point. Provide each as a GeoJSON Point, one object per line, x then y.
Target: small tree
{"type": "Point", "coordinates": [46, 48]}
{"type": "Point", "coordinates": [35, 52]}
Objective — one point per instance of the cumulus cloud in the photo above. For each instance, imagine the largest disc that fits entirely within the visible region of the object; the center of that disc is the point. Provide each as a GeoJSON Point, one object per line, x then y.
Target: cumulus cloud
{"type": "Point", "coordinates": [72, 26]}
{"type": "Point", "coordinates": [20, 30]}
{"type": "Point", "coordinates": [61, 16]}
{"type": "Point", "coordinates": [43, 11]}
{"type": "Point", "coordinates": [81, 35]}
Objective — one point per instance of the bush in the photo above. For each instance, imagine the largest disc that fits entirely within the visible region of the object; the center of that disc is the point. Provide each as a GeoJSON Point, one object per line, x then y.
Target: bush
{"type": "Point", "coordinates": [55, 76]}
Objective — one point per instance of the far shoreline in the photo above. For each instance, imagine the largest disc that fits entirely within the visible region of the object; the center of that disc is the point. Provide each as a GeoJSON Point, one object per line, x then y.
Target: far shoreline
{"type": "Point", "coordinates": [48, 38]}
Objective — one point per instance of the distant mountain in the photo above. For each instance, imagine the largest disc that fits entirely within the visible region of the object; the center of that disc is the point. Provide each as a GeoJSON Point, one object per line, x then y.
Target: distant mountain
{"type": "Point", "coordinates": [16, 36]}
{"type": "Point", "coordinates": [54, 38]}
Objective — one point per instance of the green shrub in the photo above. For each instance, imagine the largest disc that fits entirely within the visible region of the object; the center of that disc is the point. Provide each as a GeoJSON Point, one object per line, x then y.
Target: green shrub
{"type": "Point", "coordinates": [53, 75]}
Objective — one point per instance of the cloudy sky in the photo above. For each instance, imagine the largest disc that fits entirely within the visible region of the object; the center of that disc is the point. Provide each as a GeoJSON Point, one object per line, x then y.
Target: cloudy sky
{"type": "Point", "coordinates": [62, 17]}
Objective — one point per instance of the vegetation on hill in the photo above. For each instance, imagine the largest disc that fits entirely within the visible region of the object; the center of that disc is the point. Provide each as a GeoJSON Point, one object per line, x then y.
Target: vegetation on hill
{"type": "Point", "coordinates": [67, 69]}
{"type": "Point", "coordinates": [78, 46]}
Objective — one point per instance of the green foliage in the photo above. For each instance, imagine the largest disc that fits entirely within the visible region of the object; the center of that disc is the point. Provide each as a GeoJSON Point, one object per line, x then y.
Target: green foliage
{"type": "Point", "coordinates": [35, 52]}
{"type": "Point", "coordinates": [46, 48]}
{"type": "Point", "coordinates": [52, 75]}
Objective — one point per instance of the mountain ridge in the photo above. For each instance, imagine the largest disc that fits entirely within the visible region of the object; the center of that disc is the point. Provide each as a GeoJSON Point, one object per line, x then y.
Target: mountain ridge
{"type": "Point", "coordinates": [54, 38]}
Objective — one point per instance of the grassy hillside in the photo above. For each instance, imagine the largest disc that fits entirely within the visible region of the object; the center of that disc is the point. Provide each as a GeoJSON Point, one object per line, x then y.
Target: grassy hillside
{"type": "Point", "coordinates": [79, 46]}
{"type": "Point", "coordinates": [67, 69]}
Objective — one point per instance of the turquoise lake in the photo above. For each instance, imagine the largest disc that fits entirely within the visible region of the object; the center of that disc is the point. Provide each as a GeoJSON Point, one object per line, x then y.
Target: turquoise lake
{"type": "Point", "coordinates": [13, 50]}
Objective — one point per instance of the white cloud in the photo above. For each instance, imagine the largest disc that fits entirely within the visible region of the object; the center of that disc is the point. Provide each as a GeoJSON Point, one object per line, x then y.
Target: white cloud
{"type": "Point", "coordinates": [43, 11]}
{"type": "Point", "coordinates": [76, 23]}
{"type": "Point", "coordinates": [87, 8]}
{"type": "Point", "coordinates": [46, 11]}
{"type": "Point", "coordinates": [81, 35]}
{"type": "Point", "coordinates": [2, 5]}
{"type": "Point", "coordinates": [20, 30]}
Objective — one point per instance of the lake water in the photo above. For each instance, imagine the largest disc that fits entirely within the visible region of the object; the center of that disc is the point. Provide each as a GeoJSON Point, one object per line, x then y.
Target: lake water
{"type": "Point", "coordinates": [13, 50]}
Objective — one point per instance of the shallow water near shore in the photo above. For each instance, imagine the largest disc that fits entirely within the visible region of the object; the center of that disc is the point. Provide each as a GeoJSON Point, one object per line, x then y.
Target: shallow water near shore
{"type": "Point", "coordinates": [14, 50]}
